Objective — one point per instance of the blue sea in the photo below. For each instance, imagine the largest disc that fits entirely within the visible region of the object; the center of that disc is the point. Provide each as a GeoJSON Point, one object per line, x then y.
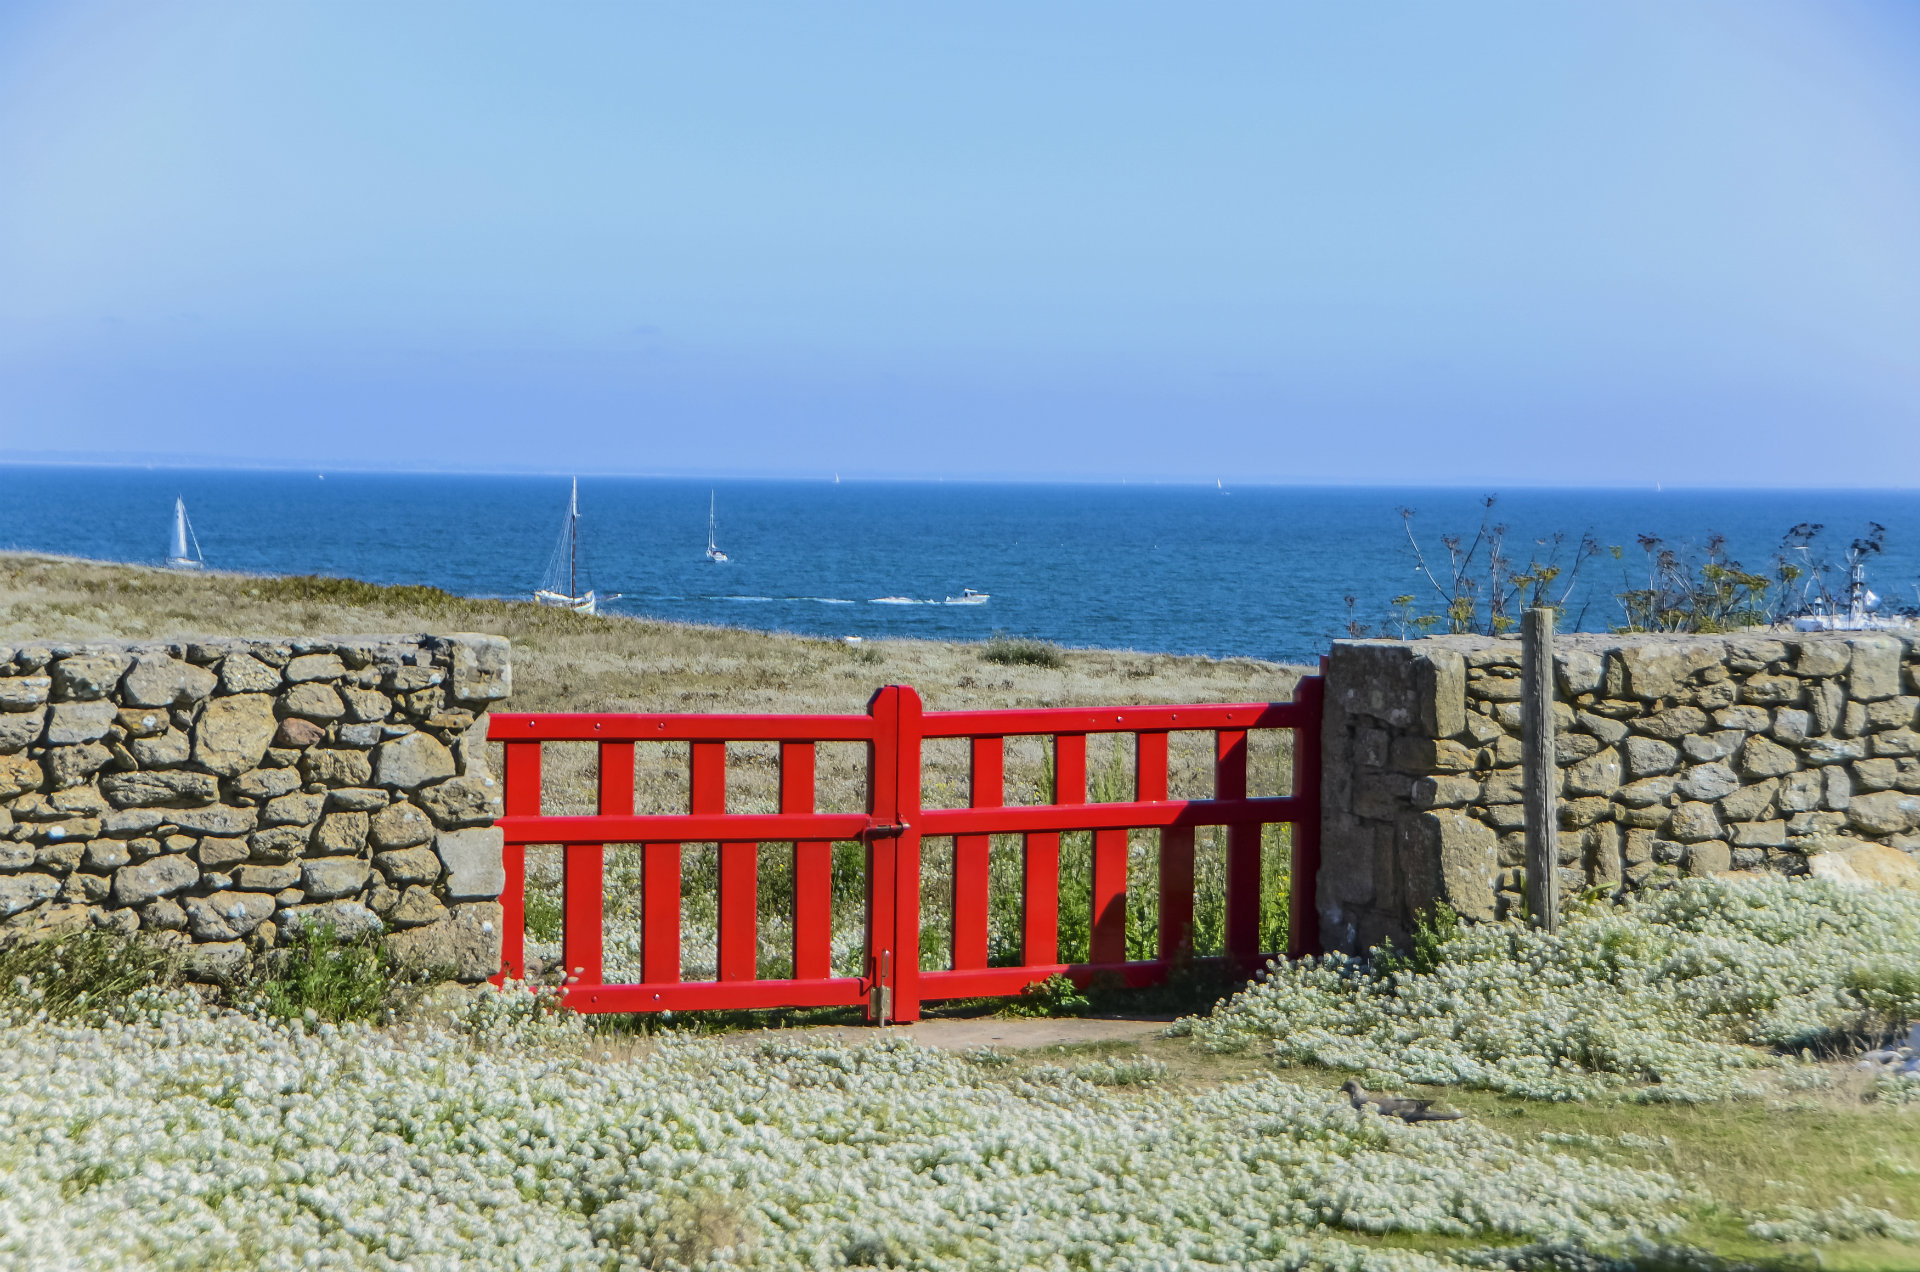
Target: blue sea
{"type": "Point", "coordinates": [1261, 571]}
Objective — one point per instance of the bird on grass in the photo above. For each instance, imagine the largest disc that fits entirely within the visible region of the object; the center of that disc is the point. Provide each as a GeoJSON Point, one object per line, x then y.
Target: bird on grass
{"type": "Point", "coordinates": [1394, 1106]}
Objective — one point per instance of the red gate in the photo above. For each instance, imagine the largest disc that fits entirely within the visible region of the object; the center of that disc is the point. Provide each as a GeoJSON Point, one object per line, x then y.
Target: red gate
{"type": "Point", "coordinates": [893, 985]}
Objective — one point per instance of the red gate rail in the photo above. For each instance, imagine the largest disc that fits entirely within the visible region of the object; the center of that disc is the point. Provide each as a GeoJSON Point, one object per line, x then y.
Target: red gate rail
{"type": "Point", "coordinates": [893, 985]}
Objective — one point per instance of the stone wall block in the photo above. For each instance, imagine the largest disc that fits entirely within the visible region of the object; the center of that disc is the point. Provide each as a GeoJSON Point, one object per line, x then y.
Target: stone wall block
{"type": "Point", "coordinates": [1875, 775]}
{"type": "Point", "coordinates": [156, 680]}
{"type": "Point", "coordinates": [404, 866]}
{"type": "Point", "coordinates": [1465, 850]}
{"type": "Point", "coordinates": [227, 916]}
{"type": "Point", "coordinates": [1442, 790]}
{"type": "Point", "coordinates": [307, 667]}
{"type": "Point", "coordinates": [1649, 757]}
{"type": "Point", "coordinates": [1708, 782]}
{"type": "Point", "coordinates": [233, 733]}
{"type": "Point", "coordinates": [482, 668]}
{"type": "Point", "coordinates": [341, 833]}
{"type": "Point", "coordinates": [466, 943]}
{"type": "Point", "coordinates": [1761, 759]}
{"type": "Point", "coordinates": [1888, 713]}
{"type": "Point", "coordinates": [1836, 788]}
{"type": "Point", "coordinates": [329, 878]}
{"type": "Point", "coordinates": [466, 801]}
{"type": "Point", "coordinates": [87, 678]}
{"type": "Point", "coordinates": [349, 920]}
{"type": "Point", "coordinates": [21, 892]}
{"type": "Point", "coordinates": [1875, 673]}
{"type": "Point", "coordinates": [243, 673]}
{"type": "Point", "coordinates": [1827, 703]}
{"type": "Point", "coordinates": [1897, 742]}
{"type": "Point", "coordinates": [1883, 813]}
{"type": "Point", "coordinates": [410, 762]}
{"type": "Point", "coordinates": [24, 693]}
{"type": "Point", "coordinates": [71, 765]}
{"type": "Point", "coordinates": [158, 877]}
{"type": "Point", "coordinates": [472, 861]}
{"type": "Point", "coordinates": [328, 766]}
{"type": "Point", "coordinates": [21, 729]}
{"type": "Point", "coordinates": [367, 705]}
{"type": "Point", "coordinates": [69, 723]}
{"type": "Point", "coordinates": [1750, 802]}
{"type": "Point", "coordinates": [1819, 657]}
{"type": "Point", "coordinates": [1832, 750]}
{"type": "Point", "coordinates": [1599, 774]}
{"type": "Point", "coordinates": [315, 700]}
{"type": "Point", "coordinates": [1578, 671]}
{"type": "Point", "coordinates": [1708, 857]}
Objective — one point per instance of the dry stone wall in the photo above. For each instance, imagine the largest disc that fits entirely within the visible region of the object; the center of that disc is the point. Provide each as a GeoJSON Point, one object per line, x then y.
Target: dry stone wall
{"type": "Point", "coordinates": [1677, 755]}
{"type": "Point", "coordinates": [228, 792]}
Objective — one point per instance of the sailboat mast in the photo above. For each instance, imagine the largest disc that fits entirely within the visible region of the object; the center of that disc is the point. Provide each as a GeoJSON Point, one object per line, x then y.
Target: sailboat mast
{"type": "Point", "coordinates": [573, 540]}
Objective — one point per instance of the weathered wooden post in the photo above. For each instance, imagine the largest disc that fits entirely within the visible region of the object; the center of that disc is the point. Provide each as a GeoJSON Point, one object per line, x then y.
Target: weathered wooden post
{"type": "Point", "coordinates": [1540, 773]}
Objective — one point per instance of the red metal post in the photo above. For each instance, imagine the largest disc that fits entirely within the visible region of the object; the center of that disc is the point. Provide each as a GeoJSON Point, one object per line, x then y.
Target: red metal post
{"type": "Point", "coordinates": [737, 956]}
{"type": "Point", "coordinates": [883, 768]}
{"type": "Point", "coordinates": [812, 869]}
{"type": "Point", "coordinates": [583, 874]}
{"type": "Point", "coordinates": [906, 960]}
{"type": "Point", "coordinates": [986, 789]}
{"type": "Point", "coordinates": [520, 796]}
{"type": "Point", "coordinates": [1243, 850]}
{"type": "Point", "coordinates": [1303, 917]}
{"type": "Point", "coordinates": [660, 920]}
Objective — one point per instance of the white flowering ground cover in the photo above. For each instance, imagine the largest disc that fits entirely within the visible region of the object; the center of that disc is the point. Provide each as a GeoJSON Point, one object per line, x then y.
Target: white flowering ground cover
{"type": "Point", "coordinates": [180, 1138]}
{"type": "Point", "coordinates": [1700, 992]}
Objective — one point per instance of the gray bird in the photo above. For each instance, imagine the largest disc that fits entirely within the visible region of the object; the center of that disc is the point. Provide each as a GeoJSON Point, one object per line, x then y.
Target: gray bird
{"type": "Point", "coordinates": [1394, 1106]}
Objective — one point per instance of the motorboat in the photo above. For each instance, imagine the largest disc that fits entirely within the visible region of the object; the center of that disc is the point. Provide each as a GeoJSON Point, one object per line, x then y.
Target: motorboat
{"type": "Point", "coordinates": [969, 597]}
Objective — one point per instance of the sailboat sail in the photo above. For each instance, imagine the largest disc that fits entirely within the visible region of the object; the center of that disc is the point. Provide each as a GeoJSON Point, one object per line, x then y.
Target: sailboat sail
{"type": "Point", "coordinates": [561, 584]}
{"type": "Point", "coordinates": [714, 553]}
{"type": "Point", "coordinates": [178, 555]}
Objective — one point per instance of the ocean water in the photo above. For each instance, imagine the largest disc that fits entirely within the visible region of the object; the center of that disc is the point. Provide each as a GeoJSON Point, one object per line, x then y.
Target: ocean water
{"type": "Point", "coordinates": [1256, 571]}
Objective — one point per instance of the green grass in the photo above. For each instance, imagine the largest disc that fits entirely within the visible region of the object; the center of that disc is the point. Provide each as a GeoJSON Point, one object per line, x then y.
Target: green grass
{"type": "Point", "coordinates": [333, 979]}
{"type": "Point", "coordinates": [1005, 651]}
{"type": "Point", "coordinates": [85, 972]}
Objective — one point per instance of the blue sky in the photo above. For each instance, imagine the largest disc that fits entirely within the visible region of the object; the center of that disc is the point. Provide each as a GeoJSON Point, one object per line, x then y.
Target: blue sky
{"type": "Point", "coordinates": [1477, 243]}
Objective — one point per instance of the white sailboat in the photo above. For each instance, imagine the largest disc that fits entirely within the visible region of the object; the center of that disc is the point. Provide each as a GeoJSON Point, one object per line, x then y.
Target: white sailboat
{"type": "Point", "coordinates": [714, 554]}
{"type": "Point", "coordinates": [561, 587]}
{"type": "Point", "coordinates": [178, 557]}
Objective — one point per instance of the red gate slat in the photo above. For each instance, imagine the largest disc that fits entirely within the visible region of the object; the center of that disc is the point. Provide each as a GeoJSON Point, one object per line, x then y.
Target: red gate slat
{"type": "Point", "coordinates": [812, 869]}
{"type": "Point", "coordinates": [1243, 849]}
{"type": "Point", "coordinates": [906, 812]}
{"type": "Point", "coordinates": [883, 792]}
{"type": "Point", "coordinates": [520, 797]}
{"type": "Point", "coordinates": [660, 922]}
{"type": "Point", "coordinates": [971, 856]}
{"type": "Point", "coordinates": [1303, 916]}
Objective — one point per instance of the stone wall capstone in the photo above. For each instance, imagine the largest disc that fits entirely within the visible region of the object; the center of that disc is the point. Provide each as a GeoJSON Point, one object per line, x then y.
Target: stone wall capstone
{"type": "Point", "coordinates": [1678, 755]}
{"type": "Point", "coordinates": [225, 793]}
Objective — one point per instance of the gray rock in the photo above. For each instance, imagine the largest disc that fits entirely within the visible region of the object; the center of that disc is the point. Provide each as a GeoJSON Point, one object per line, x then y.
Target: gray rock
{"type": "Point", "coordinates": [1897, 742]}
{"type": "Point", "coordinates": [366, 705]}
{"type": "Point", "coordinates": [1596, 775]}
{"type": "Point", "coordinates": [326, 878]}
{"type": "Point", "coordinates": [1649, 757]}
{"type": "Point", "coordinates": [341, 833]}
{"type": "Point", "coordinates": [266, 784]}
{"type": "Point", "coordinates": [214, 961]}
{"type": "Point", "coordinates": [1672, 725]}
{"type": "Point", "coordinates": [164, 915]}
{"type": "Point", "coordinates": [241, 673]}
{"type": "Point", "coordinates": [1828, 703]}
{"type": "Point", "coordinates": [21, 729]}
{"type": "Point", "coordinates": [1875, 673]}
{"type": "Point", "coordinates": [482, 668]}
{"type": "Point", "coordinates": [19, 773]}
{"type": "Point", "coordinates": [1760, 758]}
{"type": "Point", "coordinates": [1710, 857]}
{"type": "Point", "coordinates": [1820, 658]}
{"type": "Point", "coordinates": [70, 765]}
{"type": "Point", "coordinates": [219, 854]}
{"type": "Point", "coordinates": [316, 701]}
{"type": "Point", "coordinates": [1746, 719]}
{"type": "Point", "coordinates": [400, 826]}
{"type": "Point", "coordinates": [24, 891]}
{"type": "Point", "coordinates": [1875, 775]}
{"type": "Point", "coordinates": [24, 693]}
{"type": "Point", "coordinates": [332, 767]}
{"type": "Point", "coordinates": [364, 736]}
{"type": "Point", "coordinates": [281, 843]}
{"type": "Point", "coordinates": [254, 878]}
{"type": "Point", "coordinates": [159, 877]}
{"type": "Point", "coordinates": [1702, 748]}
{"type": "Point", "coordinates": [130, 821]}
{"type": "Point", "coordinates": [1836, 788]}
{"type": "Point", "coordinates": [1765, 834]}
{"type": "Point", "coordinates": [315, 667]}
{"type": "Point", "coordinates": [169, 750]}
{"type": "Point", "coordinates": [1792, 726]}
{"type": "Point", "coordinates": [466, 801]}
{"type": "Point", "coordinates": [417, 905]}
{"type": "Point", "coordinates": [88, 678]}
{"type": "Point", "coordinates": [411, 762]}
{"type": "Point", "coordinates": [215, 819]}
{"type": "Point", "coordinates": [1647, 792]}
{"type": "Point", "coordinates": [1830, 750]}
{"type": "Point", "coordinates": [70, 723]}
{"type": "Point", "coordinates": [466, 943]}
{"type": "Point", "coordinates": [474, 872]}
{"type": "Point", "coordinates": [292, 810]}
{"type": "Point", "coordinates": [1884, 812]}
{"type": "Point", "coordinates": [350, 920]}
{"type": "Point", "coordinates": [1708, 782]}
{"type": "Point", "coordinates": [409, 865]}
{"type": "Point", "coordinates": [162, 787]}
{"type": "Point", "coordinates": [107, 855]}
{"type": "Point", "coordinates": [1750, 801]}
{"type": "Point", "coordinates": [18, 856]}
{"type": "Point", "coordinates": [233, 733]}
{"type": "Point", "coordinates": [357, 799]}
{"type": "Point", "coordinates": [159, 681]}
{"type": "Point", "coordinates": [1772, 691]}
{"type": "Point", "coordinates": [227, 916]}
{"type": "Point", "coordinates": [1800, 793]}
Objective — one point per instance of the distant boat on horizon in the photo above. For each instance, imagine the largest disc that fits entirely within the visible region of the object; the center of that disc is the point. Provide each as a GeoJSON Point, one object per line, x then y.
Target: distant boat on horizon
{"type": "Point", "coordinates": [561, 586]}
{"type": "Point", "coordinates": [714, 554]}
{"type": "Point", "coordinates": [178, 557]}
{"type": "Point", "coordinates": [969, 597]}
